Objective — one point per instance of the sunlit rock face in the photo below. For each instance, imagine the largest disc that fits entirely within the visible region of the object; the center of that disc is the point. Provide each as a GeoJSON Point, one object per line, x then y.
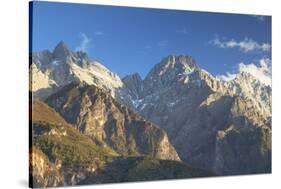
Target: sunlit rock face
{"type": "Point", "coordinates": [97, 115]}
{"type": "Point", "coordinates": [193, 107]}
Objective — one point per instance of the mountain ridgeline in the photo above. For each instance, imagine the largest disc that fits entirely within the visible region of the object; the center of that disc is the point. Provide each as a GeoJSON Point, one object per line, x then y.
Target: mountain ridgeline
{"type": "Point", "coordinates": [90, 126]}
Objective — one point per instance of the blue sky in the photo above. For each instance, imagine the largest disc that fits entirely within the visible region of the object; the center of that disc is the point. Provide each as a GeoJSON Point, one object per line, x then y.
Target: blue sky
{"type": "Point", "coordinates": [128, 40]}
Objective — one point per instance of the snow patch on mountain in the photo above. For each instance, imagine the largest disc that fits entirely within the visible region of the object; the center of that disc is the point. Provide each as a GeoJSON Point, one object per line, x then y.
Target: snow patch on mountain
{"type": "Point", "coordinates": [56, 62]}
{"type": "Point", "coordinates": [137, 102]}
{"type": "Point", "coordinates": [63, 66]}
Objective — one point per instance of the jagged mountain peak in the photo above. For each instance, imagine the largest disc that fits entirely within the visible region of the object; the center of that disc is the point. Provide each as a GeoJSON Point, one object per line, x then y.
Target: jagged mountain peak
{"type": "Point", "coordinates": [250, 87]}
{"type": "Point", "coordinates": [247, 80]}
{"type": "Point", "coordinates": [177, 61]}
{"type": "Point", "coordinates": [171, 66]}
{"type": "Point", "coordinates": [61, 51]}
{"type": "Point", "coordinates": [244, 75]}
{"type": "Point", "coordinates": [134, 85]}
{"type": "Point", "coordinates": [180, 71]}
{"type": "Point", "coordinates": [64, 66]}
{"type": "Point", "coordinates": [134, 76]}
{"type": "Point", "coordinates": [61, 44]}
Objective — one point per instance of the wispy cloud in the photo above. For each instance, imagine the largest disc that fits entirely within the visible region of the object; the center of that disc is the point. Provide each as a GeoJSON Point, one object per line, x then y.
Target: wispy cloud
{"type": "Point", "coordinates": [84, 43]}
{"type": "Point", "coordinates": [261, 71]}
{"type": "Point", "coordinates": [246, 45]}
{"type": "Point", "coordinates": [98, 33]}
{"type": "Point", "coordinates": [163, 43]}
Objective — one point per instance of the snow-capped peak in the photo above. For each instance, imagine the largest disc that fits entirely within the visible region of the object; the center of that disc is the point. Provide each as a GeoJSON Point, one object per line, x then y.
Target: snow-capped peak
{"type": "Point", "coordinates": [63, 66]}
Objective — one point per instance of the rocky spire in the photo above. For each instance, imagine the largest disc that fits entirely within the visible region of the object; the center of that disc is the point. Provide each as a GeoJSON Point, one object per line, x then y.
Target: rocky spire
{"type": "Point", "coordinates": [134, 83]}
{"type": "Point", "coordinates": [61, 51]}
{"type": "Point", "coordinates": [173, 65]}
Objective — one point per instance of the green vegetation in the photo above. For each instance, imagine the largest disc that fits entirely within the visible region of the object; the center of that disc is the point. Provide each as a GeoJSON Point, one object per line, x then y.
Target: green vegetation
{"type": "Point", "coordinates": [68, 145]}
{"type": "Point", "coordinates": [132, 147]}
{"type": "Point", "coordinates": [153, 169]}
{"type": "Point", "coordinates": [69, 151]}
{"type": "Point", "coordinates": [143, 168]}
{"type": "Point", "coordinates": [43, 113]}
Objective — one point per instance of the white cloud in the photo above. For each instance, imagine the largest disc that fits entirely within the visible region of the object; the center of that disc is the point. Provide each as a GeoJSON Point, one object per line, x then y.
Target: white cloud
{"type": "Point", "coordinates": [246, 45]}
{"type": "Point", "coordinates": [262, 71]}
{"type": "Point", "coordinates": [84, 43]}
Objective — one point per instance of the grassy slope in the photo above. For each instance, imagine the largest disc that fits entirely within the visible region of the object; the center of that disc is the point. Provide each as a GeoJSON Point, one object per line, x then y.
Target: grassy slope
{"type": "Point", "coordinates": [41, 112]}
{"type": "Point", "coordinates": [68, 144]}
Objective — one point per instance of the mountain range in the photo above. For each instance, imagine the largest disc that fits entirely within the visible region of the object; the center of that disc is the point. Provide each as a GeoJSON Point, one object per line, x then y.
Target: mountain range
{"type": "Point", "coordinates": [91, 126]}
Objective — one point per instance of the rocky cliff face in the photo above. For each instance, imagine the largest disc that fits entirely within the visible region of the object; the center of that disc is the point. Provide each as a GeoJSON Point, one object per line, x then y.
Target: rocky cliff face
{"type": "Point", "coordinates": [249, 87]}
{"type": "Point", "coordinates": [97, 115]}
{"type": "Point", "coordinates": [134, 85]}
{"type": "Point", "coordinates": [59, 154]}
{"type": "Point", "coordinates": [42, 171]}
{"type": "Point", "coordinates": [243, 151]}
{"type": "Point", "coordinates": [193, 106]}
